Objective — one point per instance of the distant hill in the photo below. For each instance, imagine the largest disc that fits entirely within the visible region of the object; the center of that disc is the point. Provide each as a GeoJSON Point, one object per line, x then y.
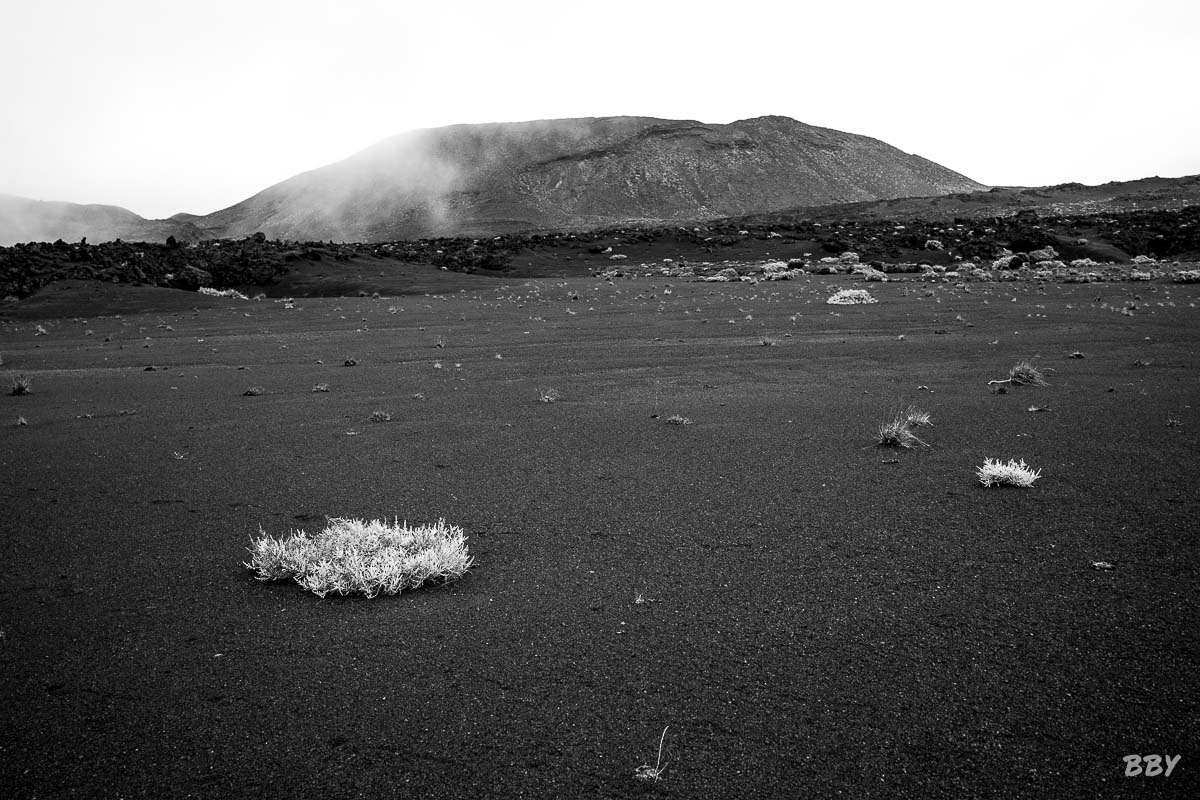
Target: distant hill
{"type": "Point", "coordinates": [1066, 199]}
{"type": "Point", "coordinates": [578, 173]}
{"type": "Point", "coordinates": [24, 220]}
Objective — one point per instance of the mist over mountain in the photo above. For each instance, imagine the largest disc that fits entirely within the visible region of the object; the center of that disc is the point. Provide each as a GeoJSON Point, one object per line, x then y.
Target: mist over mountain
{"type": "Point", "coordinates": [24, 220]}
{"type": "Point", "coordinates": [573, 173]}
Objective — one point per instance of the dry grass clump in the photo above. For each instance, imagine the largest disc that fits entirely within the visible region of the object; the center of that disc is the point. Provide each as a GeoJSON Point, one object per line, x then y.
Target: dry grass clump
{"type": "Point", "coordinates": [21, 385]}
{"type": "Point", "coordinates": [320, 387]}
{"type": "Point", "coordinates": [898, 432]}
{"type": "Point", "coordinates": [677, 419]}
{"type": "Point", "coordinates": [1023, 374]}
{"type": "Point", "coordinates": [850, 297]}
{"type": "Point", "coordinates": [380, 416]}
{"type": "Point", "coordinates": [1014, 473]}
{"type": "Point", "coordinates": [253, 391]}
{"type": "Point", "coordinates": [548, 395]}
{"type": "Point", "coordinates": [363, 557]}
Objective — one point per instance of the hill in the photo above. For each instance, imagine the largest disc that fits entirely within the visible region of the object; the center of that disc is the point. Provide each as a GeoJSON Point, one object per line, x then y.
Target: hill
{"type": "Point", "coordinates": [24, 220]}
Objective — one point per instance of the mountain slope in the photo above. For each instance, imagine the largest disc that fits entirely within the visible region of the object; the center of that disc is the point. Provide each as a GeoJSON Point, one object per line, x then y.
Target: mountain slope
{"type": "Point", "coordinates": [488, 179]}
{"type": "Point", "coordinates": [24, 220]}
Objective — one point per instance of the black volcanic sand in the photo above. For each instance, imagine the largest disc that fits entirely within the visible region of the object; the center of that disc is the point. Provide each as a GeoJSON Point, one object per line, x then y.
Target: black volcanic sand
{"type": "Point", "coordinates": [818, 622]}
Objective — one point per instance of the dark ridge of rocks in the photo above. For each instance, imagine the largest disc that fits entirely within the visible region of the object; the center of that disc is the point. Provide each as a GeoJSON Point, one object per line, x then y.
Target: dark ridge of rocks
{"type": "Point", "coordinates": [888, 244]}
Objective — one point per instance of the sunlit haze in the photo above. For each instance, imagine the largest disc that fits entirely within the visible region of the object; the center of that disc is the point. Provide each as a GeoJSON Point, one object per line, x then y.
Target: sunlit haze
{"type": "Point", "coordinates": [168, 107]}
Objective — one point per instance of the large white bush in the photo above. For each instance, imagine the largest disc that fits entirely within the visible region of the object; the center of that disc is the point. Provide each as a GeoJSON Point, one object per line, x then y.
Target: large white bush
{"type": "Point", "coordinates": [363, 557]}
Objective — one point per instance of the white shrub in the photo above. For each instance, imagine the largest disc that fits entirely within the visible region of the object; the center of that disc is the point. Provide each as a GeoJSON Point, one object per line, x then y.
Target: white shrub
{"type": "Point", "coordinates": [1014, 473]}
{"type": "Point", "coordinates": [363, 557]}
{"type": "Point", "coordinates": [850, 297]}
{"type": "Point", "coordinates": [211, 292]}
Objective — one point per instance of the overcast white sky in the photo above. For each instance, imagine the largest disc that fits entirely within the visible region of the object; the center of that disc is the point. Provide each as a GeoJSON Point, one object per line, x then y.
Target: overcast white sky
{"type": "Point", "coordinates": [163, 107]}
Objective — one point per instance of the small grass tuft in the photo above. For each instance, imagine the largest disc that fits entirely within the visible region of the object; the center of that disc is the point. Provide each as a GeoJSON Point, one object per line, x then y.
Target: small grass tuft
{"type": "Point", "coordinates": [363, 557]}
{"type": "Point", "coordinates": [548, 395]}
{"type": "Point", "coordinates": [380, 416]}
{"type": "Point", "coordinates": [898, 432]}
{"type": "Point", "coordinates": [1026, 374]}
{"type": "Point", "coordinates": [1014, 473]}
{"type": "Point", "coordinates": [320, 387]}
{"type": "Point", "coordinates": [1023, 374]}
{"type": "Point", "coordinates": [21, 385]}
{"type": "Point", "coordinates": [677, 419]}
{"type": "Point", "coordinates": [648, 773]}
{"type": "Point", "coordinates": [253, 391]}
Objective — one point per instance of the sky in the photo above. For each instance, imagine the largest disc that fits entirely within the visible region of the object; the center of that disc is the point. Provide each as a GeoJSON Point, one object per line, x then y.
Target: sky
{"type": "Point", "coordinates": [164, 107]}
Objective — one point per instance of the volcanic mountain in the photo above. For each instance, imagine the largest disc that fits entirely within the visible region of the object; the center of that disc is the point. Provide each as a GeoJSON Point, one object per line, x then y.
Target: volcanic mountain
{"type": "Point", "coordinates": [478, 180]}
